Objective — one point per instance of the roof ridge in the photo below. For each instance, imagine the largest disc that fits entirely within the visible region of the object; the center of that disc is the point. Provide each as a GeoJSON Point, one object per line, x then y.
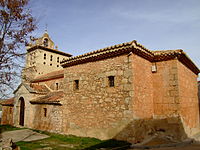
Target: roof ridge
{"type": "Point", "coordinates": [143, 47]}
{"type": "Point", "coordinates": [118, 46]}
{"type": "Point", "coordinates": [164, 51]}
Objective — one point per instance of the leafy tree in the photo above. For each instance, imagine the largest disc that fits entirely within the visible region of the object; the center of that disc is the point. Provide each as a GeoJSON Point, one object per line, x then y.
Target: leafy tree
{"type": "Point", "coordinates": [16, 25]}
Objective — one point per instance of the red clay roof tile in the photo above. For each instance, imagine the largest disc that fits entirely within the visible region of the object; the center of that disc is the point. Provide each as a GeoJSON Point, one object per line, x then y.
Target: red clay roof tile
{"type": "Point", "coordinates": [39, 88]}
{"type": "Point", "coordinates": [50, 98]}
{"type": "Point", "coordinates": [49, 76]}
{"type": "Point", "coordinates": [8, 102]}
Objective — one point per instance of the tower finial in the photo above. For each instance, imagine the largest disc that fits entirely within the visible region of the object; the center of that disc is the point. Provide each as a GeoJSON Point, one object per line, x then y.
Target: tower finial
{"type": "Point", "coordinates": [46, 26]}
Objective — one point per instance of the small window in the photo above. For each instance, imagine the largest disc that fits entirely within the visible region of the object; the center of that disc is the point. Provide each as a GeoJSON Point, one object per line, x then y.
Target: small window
{"type": "Point", "coordinates": [51, 58]}
{"type": "Point", "coordinates": [111, 80]}
{"type": "Point", "coordinates": [44, 63]}
{"type": "Point", "coordinates": [57, 65]}
{"type": "Point", "coordinates": [76, 84]}
{"type": "Point", "coordinates": [58, 59]}
{"type": "Point", "coordinates": [45, 56]}
{"type": "Point", "coordinates": [50, 64]}
{"type": "Point", "coordinates": [45, 42]}
{"type": "Point", "coordinates": [45, 112]}
{"type": "Point", "coordinates": [57, 86]}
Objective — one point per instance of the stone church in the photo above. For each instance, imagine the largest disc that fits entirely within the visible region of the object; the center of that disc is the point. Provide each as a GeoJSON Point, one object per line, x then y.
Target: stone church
{"type": "Point", "coordinates": [125, 91]}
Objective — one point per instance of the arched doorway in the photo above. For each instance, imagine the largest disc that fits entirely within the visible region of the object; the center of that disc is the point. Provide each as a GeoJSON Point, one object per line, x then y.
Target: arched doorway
{"type": "Point", "coordinates": [21, 113]}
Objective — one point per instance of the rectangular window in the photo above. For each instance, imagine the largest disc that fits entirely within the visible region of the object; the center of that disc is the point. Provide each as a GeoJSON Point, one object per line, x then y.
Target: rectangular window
{"type": "Point", "coordinates": [111, 80]}
{"type": "Point", "coordinates": [51, 58]}
{"type": "Point", "coordinates": [76, 84]}
{"type": "Point", "coordinates": [45, 56]}
{"type": "Point", "coordinates": [45, 112]}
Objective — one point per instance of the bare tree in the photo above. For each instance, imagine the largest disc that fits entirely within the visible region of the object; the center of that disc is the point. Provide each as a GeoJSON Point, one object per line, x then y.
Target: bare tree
{"type": "Point", "coordinates": [16, 25]}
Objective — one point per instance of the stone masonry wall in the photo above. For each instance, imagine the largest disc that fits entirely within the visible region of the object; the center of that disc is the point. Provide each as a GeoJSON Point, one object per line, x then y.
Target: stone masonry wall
{"type": "Point", "coordinates": [95, 109]}
{"type": "Point", "coordinates": [51, 122]}
{"type": "Point", "coordinates": [7, 115]}
{"type": "Point", "coordinates": [188, 92]}
{"type": "Point", "coordinates": [143, 88]}
{"type": "Point", "coordinates": [165, 90]}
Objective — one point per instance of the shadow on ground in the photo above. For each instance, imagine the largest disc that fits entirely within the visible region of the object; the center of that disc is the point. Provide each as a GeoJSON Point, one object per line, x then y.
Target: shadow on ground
{"type": "Point", "coordinates": [111, 144]}
{"type": "Point", "coordinates": [146, 132]}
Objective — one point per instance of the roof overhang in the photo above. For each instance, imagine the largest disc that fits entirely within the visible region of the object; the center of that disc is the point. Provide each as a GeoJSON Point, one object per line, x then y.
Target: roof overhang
{"type": "Point", "coordinates": [49, 50]}
{"type": "Point", "coordinates": [136, 48]}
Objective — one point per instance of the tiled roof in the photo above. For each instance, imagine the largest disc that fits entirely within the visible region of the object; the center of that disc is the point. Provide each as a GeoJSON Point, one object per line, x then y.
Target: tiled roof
{"type": "Point", "coordinates": [48, 49]}
{"type": "Point", "coordinates": [49, 76]}
{"type": "Point", "coordinates": [51, 98]}
{"type": "Point", "coordinates": [7, 102]}
{"type": "Point", "coordinates": [166, 54]}
{"type": "Point", "coordinates": [135, 48]}
{"type": "Point", "coordinates": [38, 89]}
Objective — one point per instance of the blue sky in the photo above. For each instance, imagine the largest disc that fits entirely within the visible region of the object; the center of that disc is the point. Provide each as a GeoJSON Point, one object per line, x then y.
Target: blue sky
{"type": "Point", "coordinates": [80, 26]}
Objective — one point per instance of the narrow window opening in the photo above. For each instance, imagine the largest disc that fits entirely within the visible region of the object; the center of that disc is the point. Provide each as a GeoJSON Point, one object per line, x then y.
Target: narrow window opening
{"type": "Point", "coordinates": [44, 63]}
{"type": "Point", "coordinates": [45, 42]}
{"type": "Point", "coordinates": [50, 64]}
{"type": "Point", "coordinates": [58, 59]}
{"type": "Point", "coordinates": [45, 56]}
{"type": "Point", "coordinates": [111, 80]}
{"type": "Point", "coordinates": [76, 84]}
{"type": "Point", "coordinates": [51, 58]}
{"type": "Point", "coordinates": [57, 86]}
{"type": "Point", "coordinates": [45, 112]}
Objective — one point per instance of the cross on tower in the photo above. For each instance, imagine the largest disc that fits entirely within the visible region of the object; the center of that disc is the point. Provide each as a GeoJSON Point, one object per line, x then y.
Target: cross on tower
{"type": "Point", "coordinates": [46, 26]}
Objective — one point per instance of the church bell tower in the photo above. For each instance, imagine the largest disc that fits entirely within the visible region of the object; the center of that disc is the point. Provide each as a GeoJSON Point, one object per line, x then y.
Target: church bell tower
{"type": "Point", "coordinates": [42, 57]}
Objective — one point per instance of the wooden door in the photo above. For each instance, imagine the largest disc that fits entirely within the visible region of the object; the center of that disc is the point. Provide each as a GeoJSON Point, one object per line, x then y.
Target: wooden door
{"type": "Point", "coordinates": [21, 117]}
